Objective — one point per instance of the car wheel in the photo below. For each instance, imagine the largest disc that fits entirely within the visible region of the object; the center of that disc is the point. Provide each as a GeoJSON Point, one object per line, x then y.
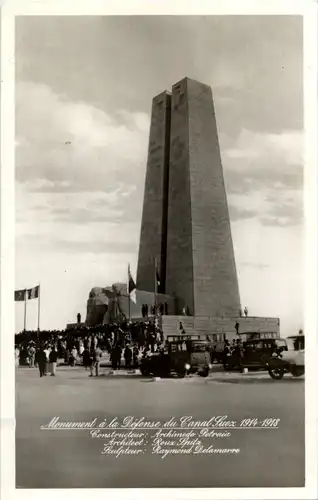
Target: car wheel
{"type": "Point", "coordinates": [297, 371]}
{"type": "Point", "coordinates": [276, 373]}
{"type": "Point", "coordinates": [204, 372]}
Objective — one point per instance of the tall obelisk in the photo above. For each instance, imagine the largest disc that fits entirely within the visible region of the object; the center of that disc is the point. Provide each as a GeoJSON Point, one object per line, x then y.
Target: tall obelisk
{"type": "Point", "coordinates": [185, 222]}
{"type": "Point", "coordinates": [153, 236]}
{"type": "Point", "coordinates": [201, 269]}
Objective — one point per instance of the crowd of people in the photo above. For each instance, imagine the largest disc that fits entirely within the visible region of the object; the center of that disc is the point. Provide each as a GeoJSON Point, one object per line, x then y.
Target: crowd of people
{"type": "Point", "coordinates": [234, 349]}
{"type": "Point", "coordinates": [124, 344]}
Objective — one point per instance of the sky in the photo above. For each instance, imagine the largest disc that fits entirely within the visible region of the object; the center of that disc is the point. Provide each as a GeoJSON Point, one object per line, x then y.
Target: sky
{"type": "Point", "coordinates": [84, 89]}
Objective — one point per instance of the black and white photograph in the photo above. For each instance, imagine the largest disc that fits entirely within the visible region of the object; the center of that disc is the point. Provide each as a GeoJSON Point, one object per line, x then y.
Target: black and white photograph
{"type": "Point", "coordinates": [159, 261]}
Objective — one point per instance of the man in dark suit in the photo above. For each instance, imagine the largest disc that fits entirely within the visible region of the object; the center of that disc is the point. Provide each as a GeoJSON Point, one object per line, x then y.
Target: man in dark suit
{"type": "Point", "coordinates": [53, 361]}
{"type": "Point", "coordinates": [41, 360]}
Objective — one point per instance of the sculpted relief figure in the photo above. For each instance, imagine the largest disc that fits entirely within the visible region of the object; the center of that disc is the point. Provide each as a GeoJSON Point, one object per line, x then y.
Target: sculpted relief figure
{"type": "Point", "coordinates": [105, 304]}
{"type": "Point", "coordinates": [97, 306]}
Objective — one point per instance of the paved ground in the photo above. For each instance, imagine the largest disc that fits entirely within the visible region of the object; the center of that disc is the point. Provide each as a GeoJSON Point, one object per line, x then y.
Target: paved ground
{"type": "Point", "coordinates": [61, 459]}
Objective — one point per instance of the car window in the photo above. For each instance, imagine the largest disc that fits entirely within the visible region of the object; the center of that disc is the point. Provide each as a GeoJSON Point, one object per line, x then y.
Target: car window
{"type": "Point", "coordinates": [199, 347]}
{"type": "Point", "coordinates": [280, 343]}
{"type": "Point", "coordinates": [254, 345]}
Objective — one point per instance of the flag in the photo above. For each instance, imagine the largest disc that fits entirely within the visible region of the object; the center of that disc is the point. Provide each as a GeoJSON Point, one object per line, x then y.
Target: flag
{"type": "Point", "coordinates": [33, 293]}
{"type": "Point", "coordinates": [157, 276]}
{"type": "Point", "coordinates": [131, 287]}
{"type": "Point", "coordinates": [19, 295]}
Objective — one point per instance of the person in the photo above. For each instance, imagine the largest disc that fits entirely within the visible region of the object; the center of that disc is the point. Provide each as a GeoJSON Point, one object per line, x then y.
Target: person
{"type": "Point", "coordinates": [41, 360]}
{"type": "Point", "coordinates": [81, 348]}
{"type": "Point", "coordinates": [226, 352]}
{"type": "Point", "coordinates": [166, 308]}
{"type": "Point", "coordinates": [161, 309]}
{"type": "Point", "coordinates": [146, 309]}
{"type": "Point", "coordinates": [63, 349]}
{"type": "Point", "coordinates": [116, 357]}
{"type": "Point", "coordinates": [146, 353]}
{"type": "Point", "coordinates": [128, 357]}
{"type": "Point", "coordinates": [67, 356]}
{"type": "Point", "coordinates": [181, 328]}
{"type": "Point", "coordinates": [135, 356]}
{"type": "Point", "coordinates": [245, 312]}
{"type": "Point", "coordinates": [237, 326]}
{"type": "Point", "coordinates": [118, 354]}
{"type": "Point", "coordinates": [73, 356]}
{"type": "Point", "coordinates": [86, 358]}
{"type": "Point", "coordinates": [47, 351]}
{"type": "Point", "coordinates": [31, 353]}
{"type": "Point", "coordinates": [53, 361]}
{"type": "Point", "coordinates": [152, 340]}
{"type": "Point", "coordinates": [238, 354]}
{"type": "Point", "coordinates": [96, 357]}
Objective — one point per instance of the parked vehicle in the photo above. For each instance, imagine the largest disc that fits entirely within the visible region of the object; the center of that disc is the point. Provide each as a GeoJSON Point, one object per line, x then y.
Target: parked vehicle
{"type": "Point", "coordinates": [254, 354]}
{"type": "Point", "coordinates": [217, 352]}
{"type": "Point", "coordinates": [180, 357]}
{"type": "Point", "coordinates": [291, 360]}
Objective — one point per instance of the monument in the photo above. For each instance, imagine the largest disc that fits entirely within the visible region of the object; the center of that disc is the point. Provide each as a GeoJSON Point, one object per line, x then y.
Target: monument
{"type": "Point", "coordinates": [153, 236]}
{"type": "Point", "coordinates": [186, 255]}
{"type": "Point", "coordinates": [185, 222]}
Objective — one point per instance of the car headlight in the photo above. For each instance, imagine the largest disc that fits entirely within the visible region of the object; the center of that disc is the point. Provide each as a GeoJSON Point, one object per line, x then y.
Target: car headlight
{"type": "Point", "coordinates": [187, 366]}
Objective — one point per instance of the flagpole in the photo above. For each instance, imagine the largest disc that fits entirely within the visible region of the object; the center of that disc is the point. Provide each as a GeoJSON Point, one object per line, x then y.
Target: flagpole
{"type": "Point", "coordinates": [39, 308]}
{"type": "Point", "coordinates": [25, 308]}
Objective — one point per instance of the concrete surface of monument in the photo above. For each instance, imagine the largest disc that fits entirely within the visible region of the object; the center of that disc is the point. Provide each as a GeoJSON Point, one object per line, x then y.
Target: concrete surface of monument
{"type": "Point", "coordinates": [201, 267]}
{"type": "Point", "coordinates": [153, 235]}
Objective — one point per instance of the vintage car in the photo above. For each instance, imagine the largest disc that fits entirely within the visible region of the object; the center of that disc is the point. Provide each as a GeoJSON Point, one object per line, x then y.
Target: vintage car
{"type": "Point", "coordinates": [254, 354]}
{"type": "Point", "coordinates": [291, 360]}
{"type": "Point", "coordinates": [217, 352]}
{"type": "Point", "coordinates": [181, 357]}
